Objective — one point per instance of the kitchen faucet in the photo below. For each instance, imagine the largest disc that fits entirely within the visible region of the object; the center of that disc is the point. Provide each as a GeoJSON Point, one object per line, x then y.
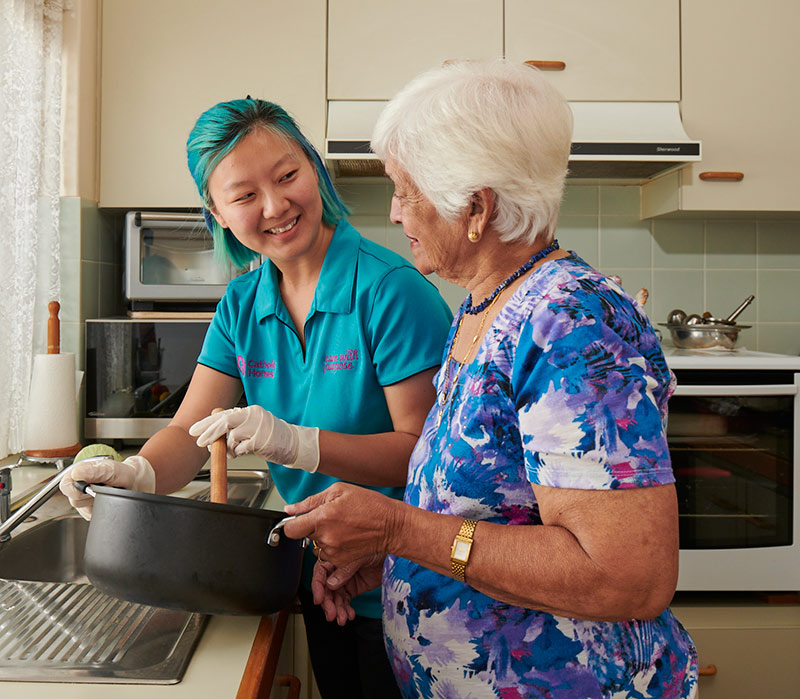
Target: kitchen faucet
{"type": "Point", "coordinates": [8, 521]}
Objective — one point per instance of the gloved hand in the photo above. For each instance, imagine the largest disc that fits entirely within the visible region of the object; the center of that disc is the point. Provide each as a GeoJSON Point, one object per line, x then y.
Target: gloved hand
{"type": "Point", "coordinates": [134, 473]}
{"type": "Point", "coordinates": [253, 430]}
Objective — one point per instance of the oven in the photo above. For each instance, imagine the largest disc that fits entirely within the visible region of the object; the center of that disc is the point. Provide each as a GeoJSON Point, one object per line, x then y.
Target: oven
{"type": "Point", "coordinates": [734, 443]}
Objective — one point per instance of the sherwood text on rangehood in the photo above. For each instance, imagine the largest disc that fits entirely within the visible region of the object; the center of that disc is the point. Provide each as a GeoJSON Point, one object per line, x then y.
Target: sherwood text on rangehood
{"type": "Point", "coordinates": [631, 141]}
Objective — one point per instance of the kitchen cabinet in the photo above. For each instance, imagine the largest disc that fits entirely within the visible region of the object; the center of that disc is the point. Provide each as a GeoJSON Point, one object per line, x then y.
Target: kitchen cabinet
{"type": "Point", "coordinates": [628, 50]}
{"type": "Point", "coordinates": [747, 649]}
{"type": "Point", "coordinates": [374, 48]}
{"type": "Point", "coordinates": [739, 64]}
{"type": "Point", "coordinates": [163, 63]}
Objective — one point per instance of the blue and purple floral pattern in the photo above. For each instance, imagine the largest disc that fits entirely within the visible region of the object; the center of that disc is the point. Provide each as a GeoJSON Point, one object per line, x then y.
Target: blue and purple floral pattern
{"type": "Point", "coordinates": [569, 388]}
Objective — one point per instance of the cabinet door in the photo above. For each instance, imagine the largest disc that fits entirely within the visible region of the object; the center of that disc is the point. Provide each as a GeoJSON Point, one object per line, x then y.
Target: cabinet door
{"type": "Point", "coordinates": [374, 48]}
{"type": "Point", "coordinates": [163, 63]}
{"type": "Point", "coordinates": [740, 63]}
{"type": "Point", "coordinates": [628, 50]}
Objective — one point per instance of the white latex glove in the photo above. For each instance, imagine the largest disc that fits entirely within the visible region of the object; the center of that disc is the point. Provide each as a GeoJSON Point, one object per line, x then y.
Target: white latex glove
{"type": "Point", "coordinates": [253, 430]}
{"type": "Point", "coordinates": [134, 473]}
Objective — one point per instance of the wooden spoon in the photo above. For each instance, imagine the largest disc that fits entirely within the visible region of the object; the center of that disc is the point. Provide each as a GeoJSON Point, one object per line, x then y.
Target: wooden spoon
{"type": "Point", "coordinates": [219, 467]}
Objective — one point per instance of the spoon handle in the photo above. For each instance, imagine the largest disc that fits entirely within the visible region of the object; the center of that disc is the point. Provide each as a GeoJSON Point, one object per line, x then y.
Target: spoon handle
{"type": "Point", "coordinates": [741, 307]}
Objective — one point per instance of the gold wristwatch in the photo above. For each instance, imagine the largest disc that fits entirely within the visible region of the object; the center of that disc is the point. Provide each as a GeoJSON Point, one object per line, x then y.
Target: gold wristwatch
{"type": "Point", "coordinates": [462, 545]}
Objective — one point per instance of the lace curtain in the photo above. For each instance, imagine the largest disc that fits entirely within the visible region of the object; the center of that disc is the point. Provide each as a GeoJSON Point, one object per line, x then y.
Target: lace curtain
{"type": "Point", "coordinates": [30, 176]}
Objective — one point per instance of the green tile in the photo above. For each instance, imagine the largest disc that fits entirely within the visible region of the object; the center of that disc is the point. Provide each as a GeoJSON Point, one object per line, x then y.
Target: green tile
{"type": "Point", "coordinates": [69, 224]}
{"type": "Point", "coordinates": [367, 198]}
{"type": "Point", "coordinates": [620, 200]}
{"type": "Point", "coordinates": [731, 244]}
{"type": "Point", "coordinates": [678, 244]}
{"type": "Point", "coordinates": [371, 227]}
{"type": "Point", "coordinates": [779, 245]}
{"type": "Point", "coordinates": [782, 338]}
{"type": "Point", "coordinates": [777, 294]}
{"type": "Point", "coordinates": [70, 290]}
{"type": "Point", "coordinates": [580, 233]}
{"type": "Point", "coordinates": [580, 200]}
{"type": "Point", "coordinates": [675, 289]}
{"type": "Point", "coordinates": [90, 284]}
{"type": "Point", "coordinates": [725, 290]}
{"type": "Point", "coordinates": [625, 241]}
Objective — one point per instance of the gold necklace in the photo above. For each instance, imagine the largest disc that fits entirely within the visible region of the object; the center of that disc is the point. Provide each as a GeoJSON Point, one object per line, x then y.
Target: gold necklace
{"type": "Point", "coordinates": [447, 391]}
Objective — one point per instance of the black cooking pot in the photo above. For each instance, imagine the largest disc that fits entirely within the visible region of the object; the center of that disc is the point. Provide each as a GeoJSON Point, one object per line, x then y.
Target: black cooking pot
{"type": "Point", "coordinates": [194, 556]}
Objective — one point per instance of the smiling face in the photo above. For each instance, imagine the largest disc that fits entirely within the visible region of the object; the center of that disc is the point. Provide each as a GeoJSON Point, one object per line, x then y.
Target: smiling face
{"type": "Point", "coordinates": [265, 190]}
{"type": "Point", "coordinates": [436, 243]}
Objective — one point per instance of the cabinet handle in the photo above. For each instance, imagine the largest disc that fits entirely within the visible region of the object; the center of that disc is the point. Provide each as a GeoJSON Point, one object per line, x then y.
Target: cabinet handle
{"type": "Point", "coordinates": [722, 176]}
{"type": "Point", "coordinates": [708, 671]}
{"type": "Point", "coordinates": [547, 65]}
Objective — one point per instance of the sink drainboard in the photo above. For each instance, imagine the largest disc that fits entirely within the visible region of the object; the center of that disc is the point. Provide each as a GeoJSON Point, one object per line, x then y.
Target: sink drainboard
{"type": "Point", "coordinates": [72, 632]}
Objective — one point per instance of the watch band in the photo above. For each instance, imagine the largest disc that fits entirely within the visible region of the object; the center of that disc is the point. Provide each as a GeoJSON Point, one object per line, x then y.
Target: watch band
{"type": "Point", "coordinates": [465, 534]}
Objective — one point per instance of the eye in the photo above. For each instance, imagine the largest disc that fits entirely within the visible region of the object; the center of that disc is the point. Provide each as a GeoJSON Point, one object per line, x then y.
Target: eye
{"type": "Point", "coordinates": [288, 176]}
{"type": "Point", "coordinates": [245, 197]}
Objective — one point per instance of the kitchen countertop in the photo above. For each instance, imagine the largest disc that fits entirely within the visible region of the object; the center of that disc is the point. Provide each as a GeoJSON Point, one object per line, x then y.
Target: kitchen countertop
{"type": "Point", "coordinates": [216, 667]}
{"type": "Point", "coordinates": [215, 670]}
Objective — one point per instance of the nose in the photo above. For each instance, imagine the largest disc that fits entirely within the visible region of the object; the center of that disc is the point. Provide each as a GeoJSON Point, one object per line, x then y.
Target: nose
{"type": "Point", "coordinates": [273, 205]}
{"type": "Point", "coordinates": [394, 211]}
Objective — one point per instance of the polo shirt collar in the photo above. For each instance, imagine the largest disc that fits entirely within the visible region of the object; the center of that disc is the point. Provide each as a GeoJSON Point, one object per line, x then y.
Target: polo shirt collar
{"type": "Point", "coordinates": [336, 278]}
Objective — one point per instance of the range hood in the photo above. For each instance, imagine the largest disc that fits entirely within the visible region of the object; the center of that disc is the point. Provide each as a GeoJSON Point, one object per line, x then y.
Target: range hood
{"type": "Point", "coordinates": [626, 141]}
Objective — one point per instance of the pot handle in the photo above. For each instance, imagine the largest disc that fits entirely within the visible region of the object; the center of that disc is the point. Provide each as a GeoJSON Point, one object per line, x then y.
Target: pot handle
{"type": "Point", "coordinates": [274, 536]}
{"type": "Point", "coordinates": [85, 487]}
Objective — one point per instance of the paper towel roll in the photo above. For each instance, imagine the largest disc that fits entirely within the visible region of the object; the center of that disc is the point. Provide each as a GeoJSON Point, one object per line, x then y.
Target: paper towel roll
{"type": "Point", "coordinates": [51, 419]}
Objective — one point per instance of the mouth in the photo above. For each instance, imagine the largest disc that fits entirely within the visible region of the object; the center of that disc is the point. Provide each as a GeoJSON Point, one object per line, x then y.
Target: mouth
{"type": "Point", "coordinates": [283, 229]}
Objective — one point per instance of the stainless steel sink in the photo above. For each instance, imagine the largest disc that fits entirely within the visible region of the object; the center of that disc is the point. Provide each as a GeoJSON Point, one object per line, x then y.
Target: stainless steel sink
{"type": "Point", "coordinates": [56, 627]}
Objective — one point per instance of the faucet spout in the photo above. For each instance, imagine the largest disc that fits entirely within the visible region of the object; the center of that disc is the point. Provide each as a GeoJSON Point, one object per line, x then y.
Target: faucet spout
{"type": "Point", "coordinates": [8, 521]}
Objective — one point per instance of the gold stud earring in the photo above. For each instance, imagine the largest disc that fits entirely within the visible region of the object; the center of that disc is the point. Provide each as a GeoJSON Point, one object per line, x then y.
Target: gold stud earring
{"type": "Point", "coordinates": [474, 236]}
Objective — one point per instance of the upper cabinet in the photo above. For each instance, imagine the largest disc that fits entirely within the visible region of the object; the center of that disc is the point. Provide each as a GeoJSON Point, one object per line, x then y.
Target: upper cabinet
{"type": "Point", "coordinates": [628, 50]}
{"type": "Point", "coordinates": [374, 48]}
{"type": "Point", "coordinates": [163, 63]}
{"type": "Point", "coordinates": [739, 65]}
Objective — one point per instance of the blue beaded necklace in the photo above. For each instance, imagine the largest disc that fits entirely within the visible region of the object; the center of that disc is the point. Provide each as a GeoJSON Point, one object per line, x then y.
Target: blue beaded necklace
{"type": "Point", "coordinates": [473, 310]}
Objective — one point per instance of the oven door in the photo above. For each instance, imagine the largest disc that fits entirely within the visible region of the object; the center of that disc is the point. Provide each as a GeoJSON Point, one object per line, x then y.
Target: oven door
{"type": "Point", "coordinates": [733, 449]}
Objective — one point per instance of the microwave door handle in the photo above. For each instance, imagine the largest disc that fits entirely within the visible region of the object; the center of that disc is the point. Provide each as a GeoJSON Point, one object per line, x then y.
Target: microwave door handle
{"type": "Point", "coordinates": [738, 390]}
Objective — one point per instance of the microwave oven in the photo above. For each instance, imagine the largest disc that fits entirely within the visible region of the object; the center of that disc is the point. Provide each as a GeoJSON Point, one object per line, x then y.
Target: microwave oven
{"type": "Point", "coordinates": [169, 257]}
{"type": "Point", "coordinates": [734, 439]}
{"type": "Point", "coordinates": [136, 373]}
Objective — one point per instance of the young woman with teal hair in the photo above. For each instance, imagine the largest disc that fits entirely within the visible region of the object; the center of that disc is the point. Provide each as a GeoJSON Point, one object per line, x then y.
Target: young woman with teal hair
{"type": "Point", "coordinates": [333, 339]}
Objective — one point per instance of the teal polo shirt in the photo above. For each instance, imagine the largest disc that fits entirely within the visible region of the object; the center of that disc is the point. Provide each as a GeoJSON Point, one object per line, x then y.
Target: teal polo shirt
{"type": "Point", "coordinates": [374, 321]}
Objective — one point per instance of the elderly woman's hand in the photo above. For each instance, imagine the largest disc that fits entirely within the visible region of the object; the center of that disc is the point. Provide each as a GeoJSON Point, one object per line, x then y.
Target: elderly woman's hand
{"type": "Point", "coordinates": [346, 522]}
{"type": "Point", "coordinates": [333, 587]}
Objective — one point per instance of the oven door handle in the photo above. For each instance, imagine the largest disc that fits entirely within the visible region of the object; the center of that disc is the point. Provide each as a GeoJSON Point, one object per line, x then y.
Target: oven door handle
{"type": "Point", "coordinates": [738, 390]}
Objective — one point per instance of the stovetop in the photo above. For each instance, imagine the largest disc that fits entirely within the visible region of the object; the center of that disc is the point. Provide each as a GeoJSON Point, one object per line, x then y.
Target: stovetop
{"type": "Point", "coordinates": [728, 359]}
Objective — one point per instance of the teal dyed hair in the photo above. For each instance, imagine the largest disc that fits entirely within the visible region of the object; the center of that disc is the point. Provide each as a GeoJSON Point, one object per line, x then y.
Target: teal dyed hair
{"type": "Point", "coordinates": [217, 132]}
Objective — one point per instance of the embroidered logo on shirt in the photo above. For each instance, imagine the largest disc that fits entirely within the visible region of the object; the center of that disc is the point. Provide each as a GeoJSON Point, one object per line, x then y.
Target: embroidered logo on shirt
{"type": "Point", "coordinates": [340, 362]}
{"type": "Point", "coordinates": [253, 368]}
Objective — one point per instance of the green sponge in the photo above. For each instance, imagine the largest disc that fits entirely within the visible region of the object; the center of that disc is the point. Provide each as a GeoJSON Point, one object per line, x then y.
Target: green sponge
{"type": "Point", "coordinates": [97, 450]}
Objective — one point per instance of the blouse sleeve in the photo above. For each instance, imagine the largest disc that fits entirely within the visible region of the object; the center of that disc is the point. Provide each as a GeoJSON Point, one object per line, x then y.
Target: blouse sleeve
{"type": "Point", "coordinates": [591, 407]}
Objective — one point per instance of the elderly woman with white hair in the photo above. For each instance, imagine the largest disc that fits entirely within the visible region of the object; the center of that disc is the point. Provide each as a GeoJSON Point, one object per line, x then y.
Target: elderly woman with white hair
{"type": "Point", "coordinates": [536, 550]}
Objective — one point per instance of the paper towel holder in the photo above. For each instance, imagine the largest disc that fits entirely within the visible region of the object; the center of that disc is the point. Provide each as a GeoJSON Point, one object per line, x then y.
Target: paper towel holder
{"type": "Point", "coordinates": [53, 347]}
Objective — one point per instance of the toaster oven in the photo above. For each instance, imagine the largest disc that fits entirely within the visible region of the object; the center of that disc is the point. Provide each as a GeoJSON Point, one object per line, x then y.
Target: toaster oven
{"type": "Point", "coordinates": [169, 257]}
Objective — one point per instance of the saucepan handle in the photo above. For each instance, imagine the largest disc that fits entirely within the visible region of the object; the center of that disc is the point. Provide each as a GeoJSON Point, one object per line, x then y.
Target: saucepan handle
{"type": "Point", "coordinates": [274, 536]}
{"type": "Point", "coordinates": [85, 487]}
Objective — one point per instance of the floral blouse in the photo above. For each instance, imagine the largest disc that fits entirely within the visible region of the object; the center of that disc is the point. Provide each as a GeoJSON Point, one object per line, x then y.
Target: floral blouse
{"type": "Point", "coordinates": [568, 389]}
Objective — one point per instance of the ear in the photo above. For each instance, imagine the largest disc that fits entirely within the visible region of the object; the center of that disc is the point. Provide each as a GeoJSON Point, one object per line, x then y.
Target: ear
{"type": "Point", "coordinates": [218, 217]}
{"type": "Point", "coordinates": [481, 209]}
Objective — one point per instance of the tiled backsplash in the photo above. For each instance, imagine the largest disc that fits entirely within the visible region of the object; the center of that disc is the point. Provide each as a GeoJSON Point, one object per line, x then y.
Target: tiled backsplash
{"type": "Point", "coordinates": [697, 265]}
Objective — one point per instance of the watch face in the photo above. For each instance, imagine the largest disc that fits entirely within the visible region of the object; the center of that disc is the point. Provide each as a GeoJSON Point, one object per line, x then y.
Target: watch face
{"type": "Point", "coordinates": [461, 550]}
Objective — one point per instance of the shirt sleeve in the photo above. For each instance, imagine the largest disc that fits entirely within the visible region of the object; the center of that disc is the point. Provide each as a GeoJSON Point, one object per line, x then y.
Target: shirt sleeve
{"type": "Point", "coordinates": [591, 410]}
{"type": "Point", "coordinates": [407, 326]}
{"type": "Point", "coordinates": [219, 351]}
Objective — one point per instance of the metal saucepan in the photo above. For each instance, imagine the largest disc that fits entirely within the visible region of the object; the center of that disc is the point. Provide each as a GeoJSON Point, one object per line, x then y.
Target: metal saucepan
{"type": "Point", "coordinates": [704, 335]}
{"type": "Point", "coordinates": [184, 554]}
{"type": "Point", "coordinates": [207, 557]}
